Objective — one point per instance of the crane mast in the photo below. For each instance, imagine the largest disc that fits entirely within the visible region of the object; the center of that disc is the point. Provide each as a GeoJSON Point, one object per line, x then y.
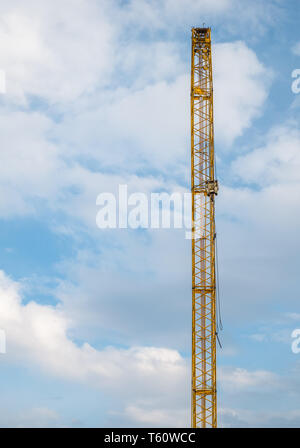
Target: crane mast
{"type": "Point", "coordinates": [204, 188]}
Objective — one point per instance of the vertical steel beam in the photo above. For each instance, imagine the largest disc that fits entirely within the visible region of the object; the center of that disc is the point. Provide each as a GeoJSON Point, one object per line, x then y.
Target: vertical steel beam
{"type": "Point", "coordinates": [204, 187]}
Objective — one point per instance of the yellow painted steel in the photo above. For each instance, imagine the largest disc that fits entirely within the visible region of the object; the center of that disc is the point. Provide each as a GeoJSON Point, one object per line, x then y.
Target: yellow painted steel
{"type": "Point", "coordinates": [204, 188]}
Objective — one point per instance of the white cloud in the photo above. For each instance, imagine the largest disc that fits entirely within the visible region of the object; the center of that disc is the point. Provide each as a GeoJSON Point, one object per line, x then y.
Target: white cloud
{"type": "Point", "coordinates": [154, 418]}
{"type": "Point", "coordinates": [34, 168]}
{"type": "Point", "coordinates": [230, 418]}
{"type": "Point", "coordinates": [39, 334]}
{"type": "Point", "coordinates": [245, 418]}
{"type": "Point", "coordinates": [239, 379]}
{"type": "Point", "coordinates": [258, 226]}
{"type": "Point", "coordinates": [37, 417]}
{"type": "Point", "coordinates": [296, 49]}
{"type": "Point", "coordinates": [274, 169]}
{"type": "Point", "coordinates": [100, 290]}
{"type": "Point", "coordinates": [150, 116]}
{"type": "Point", "coordinates": [153, 119]}
{"type": "Point", "coordinates": [132, 129]}
{"type": "Point", "coordinates": [141, 124]}
{"type": "Point", "coordinates": [240, 89]}
{"type": "Point", "coordinates": [275, 163]}
{"type": "Point", "coordinates": [157, 378]}
{"type": "Point", "coordinates": [164, 14]}
{"type": "Point", "coordinates": [171, 15]}
{"type": "Point", "coordinates": [144, 63]}
{"type": "Point", "coordinates": [48, 50]}
{"type": "Point", "coordinates": [28, 160]}
{"type": "Point", "coordinates": [293, 316]}
{"type": "Point", "coordinates": [259, 337]}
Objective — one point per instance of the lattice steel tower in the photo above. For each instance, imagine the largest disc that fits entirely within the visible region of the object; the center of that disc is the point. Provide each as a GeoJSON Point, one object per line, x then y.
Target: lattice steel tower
{"type": "Point", "coordinates": [204, 187]}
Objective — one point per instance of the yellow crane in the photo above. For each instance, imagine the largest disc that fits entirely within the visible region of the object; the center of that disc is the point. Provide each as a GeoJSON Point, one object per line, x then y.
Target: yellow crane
{"type": "Point", "coordinates": [204, 188]}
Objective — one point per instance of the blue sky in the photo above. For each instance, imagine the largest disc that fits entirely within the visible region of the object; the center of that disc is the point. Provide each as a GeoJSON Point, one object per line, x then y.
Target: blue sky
{"type": "Point", "coordinates": [97, 322]}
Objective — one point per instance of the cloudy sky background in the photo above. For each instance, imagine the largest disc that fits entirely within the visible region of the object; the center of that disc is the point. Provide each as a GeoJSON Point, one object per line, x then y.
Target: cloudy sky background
{"type": "Point", "coordinates": [98, 323]}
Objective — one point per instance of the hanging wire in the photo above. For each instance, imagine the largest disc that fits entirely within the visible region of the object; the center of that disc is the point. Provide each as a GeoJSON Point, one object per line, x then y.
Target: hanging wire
{"type": "Point", "coordinates": [218, 296]}
{"type": "Point", "coordinates": [218, 339]}
{"type": "Point", "coordinates": [219, 323]}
